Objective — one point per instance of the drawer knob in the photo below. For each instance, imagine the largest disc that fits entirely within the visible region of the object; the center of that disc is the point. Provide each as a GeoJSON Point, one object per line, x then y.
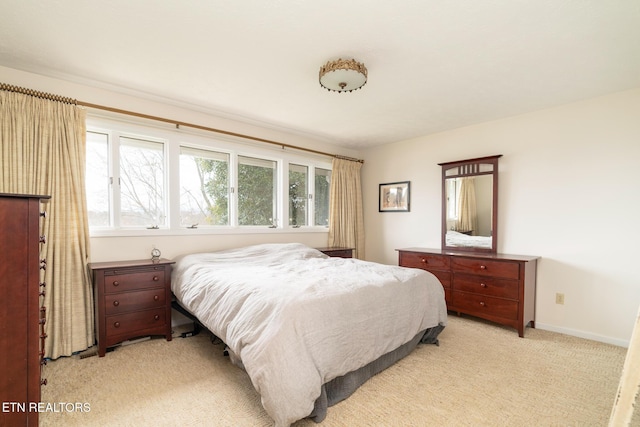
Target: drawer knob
{"type": "Point", "coordinates": [482, 303]}
{"type": "Point", "coordinates": [116, 324]}
{"type": "Point", "coordinates": [156, 317]}
{"type": "Point", "coordinates": [43, 361]}
{"type": "Point", "coordinates": [42, 321]}
{"type": "Point", "coordinates": [43, 239]}
{"type": "Point", "coordinates": [482, 285]}
{"type": "Point", "coordinates": [483, 267]}
{"type": "Point", "coordinates": [43, 382]}
{"type": "Point", "coordinates": [43, 336]}
{"type": "Point", "coordinates": [116, 283]}
{"type": "Point", "coordinates": [156, 297]}
{"type": "Point", "coordinates": [423, 260]}
{"type": "Point", "coordinates": [43, 284]}
{"type": "Point", "coordinates": [156, 278]}
{"type": "Point", "coordinates": [116, 303]}
{"type": "Point", "coordinates": [43, 214]}
{"type": "Point", "coordinates": [42, 293]}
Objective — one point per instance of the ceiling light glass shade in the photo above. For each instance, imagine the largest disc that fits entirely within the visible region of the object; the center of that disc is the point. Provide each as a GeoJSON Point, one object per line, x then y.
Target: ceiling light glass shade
{"type": "Point", "coordinates": [343, 75]}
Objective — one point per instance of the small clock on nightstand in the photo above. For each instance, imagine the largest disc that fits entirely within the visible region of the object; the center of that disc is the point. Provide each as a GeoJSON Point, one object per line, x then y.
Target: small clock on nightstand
{"type": "Point", "coordinates": [155, 255]}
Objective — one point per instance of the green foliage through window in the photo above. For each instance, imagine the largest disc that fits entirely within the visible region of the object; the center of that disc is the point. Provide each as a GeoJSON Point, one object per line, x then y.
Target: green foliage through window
{"type": "Point", "coordinates": [256, 191]}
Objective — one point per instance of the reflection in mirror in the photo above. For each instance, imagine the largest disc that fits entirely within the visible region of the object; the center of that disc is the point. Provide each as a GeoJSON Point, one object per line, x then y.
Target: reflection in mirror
{"type": "Point", "coordinates": [469, 205]}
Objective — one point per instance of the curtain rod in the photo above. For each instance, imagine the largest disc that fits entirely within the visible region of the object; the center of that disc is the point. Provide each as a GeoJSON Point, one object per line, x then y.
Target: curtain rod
{"type": "Point", "coordinates": [177, 123]}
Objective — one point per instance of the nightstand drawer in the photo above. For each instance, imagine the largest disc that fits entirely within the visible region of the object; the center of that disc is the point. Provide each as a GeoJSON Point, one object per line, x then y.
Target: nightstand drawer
{"type": "Point", "coordinates": [128, 281]}
{"type": "Point", "coordinates": [131, 301]}
{"type": "Point", "coordinates": [136, 321]}
{"type": "Point", "coordinates": [485, 285]}
{"type": "Point", "coordinates": [340, 253]}
{"type": "Point", "coordinates": [337, 252]}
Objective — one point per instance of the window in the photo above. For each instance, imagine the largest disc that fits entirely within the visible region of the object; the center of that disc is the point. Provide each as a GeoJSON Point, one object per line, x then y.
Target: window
{"type": "Point", "coordinates": [143, 180]}
{"type": "Point", "coordinates": [142, 195]}
{"type": "Point", "coordinates": [321, 201]}
{"type": "Point", "coordinates": [298, 194]}
{"type": "Point", "coordinates": [97, 179]}
{"type": "Point", "coordinates": [204, 187]}
{"type": "Point", "coordinates": [257, 191]}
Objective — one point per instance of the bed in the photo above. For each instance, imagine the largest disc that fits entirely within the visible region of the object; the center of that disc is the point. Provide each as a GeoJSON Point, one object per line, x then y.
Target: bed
{"type": "Point", "coordinates": [308, 329]}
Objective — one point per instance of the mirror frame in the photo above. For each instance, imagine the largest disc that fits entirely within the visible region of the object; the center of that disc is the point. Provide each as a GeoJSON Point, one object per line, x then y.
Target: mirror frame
{"type": "Point", "coordinates": [471, 167]}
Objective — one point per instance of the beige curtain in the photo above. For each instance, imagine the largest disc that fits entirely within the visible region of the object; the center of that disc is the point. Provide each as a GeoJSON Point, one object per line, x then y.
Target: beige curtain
{"type": "Point", "coordinates": [467, 211]}
{"type": "Point", "coordinates": [42, 151]}
{"type": "Point", "coordinates": [346, 220]}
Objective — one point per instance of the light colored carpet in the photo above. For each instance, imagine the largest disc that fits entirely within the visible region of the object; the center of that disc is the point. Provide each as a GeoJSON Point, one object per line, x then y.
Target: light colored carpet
{"type": "Point", "coordinates": [480, 375]}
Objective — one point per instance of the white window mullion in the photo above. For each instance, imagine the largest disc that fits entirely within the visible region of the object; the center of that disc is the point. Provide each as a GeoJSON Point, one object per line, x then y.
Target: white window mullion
{"type": "Point", "coordinates": [173, 184]}
{"type": "Point", "coordinates": [311, 211]}
{"type": "Point", "coordinates": [115, 179]}
{"type": "Point", "coordinates": [233, 190]}
{"type": "Point", "coordinates": [282, 194]}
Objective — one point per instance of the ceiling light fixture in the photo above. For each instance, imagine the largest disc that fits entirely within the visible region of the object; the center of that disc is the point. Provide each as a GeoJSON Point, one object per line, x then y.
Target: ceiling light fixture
{"type": "Point", "coordinates": [343, 75]}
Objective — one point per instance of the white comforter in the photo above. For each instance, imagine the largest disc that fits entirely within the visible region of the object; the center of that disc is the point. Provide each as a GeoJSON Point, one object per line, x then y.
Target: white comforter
{"type": "Point", "coordinates": [297, 319]}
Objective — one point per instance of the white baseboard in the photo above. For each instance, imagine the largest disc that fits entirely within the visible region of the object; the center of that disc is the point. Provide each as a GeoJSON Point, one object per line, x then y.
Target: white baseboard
{"type": "Point", "coordinates": [583, 334]}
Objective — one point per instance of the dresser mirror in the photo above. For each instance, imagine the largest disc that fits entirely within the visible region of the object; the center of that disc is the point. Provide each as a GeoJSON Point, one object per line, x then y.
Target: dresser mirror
{"type": "Point", "coordinates": [470, 205]}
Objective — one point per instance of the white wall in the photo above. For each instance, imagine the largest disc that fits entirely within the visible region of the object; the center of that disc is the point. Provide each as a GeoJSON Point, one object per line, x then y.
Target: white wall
{"type": "Point", "coordinates": [569, 193]}
{"type": "Point", "coordinates": [125, 248]}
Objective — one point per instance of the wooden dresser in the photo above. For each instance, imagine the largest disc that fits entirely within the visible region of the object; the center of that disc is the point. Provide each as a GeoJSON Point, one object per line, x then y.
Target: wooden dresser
{"type": "Point", "coordinates": [22, 316]}
{"type": "Point", "coordinates": [132, 299]}
{"type": "Point", "coordinates": [496, 287]}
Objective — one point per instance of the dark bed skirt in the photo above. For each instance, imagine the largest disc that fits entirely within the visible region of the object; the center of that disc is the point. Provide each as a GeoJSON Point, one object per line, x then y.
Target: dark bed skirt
{"type": "Point", "coordinates": [342, 387]}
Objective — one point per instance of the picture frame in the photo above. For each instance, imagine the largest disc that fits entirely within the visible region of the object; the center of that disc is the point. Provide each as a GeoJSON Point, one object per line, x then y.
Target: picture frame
{"type": "Point", "coordinates": [394, 197]}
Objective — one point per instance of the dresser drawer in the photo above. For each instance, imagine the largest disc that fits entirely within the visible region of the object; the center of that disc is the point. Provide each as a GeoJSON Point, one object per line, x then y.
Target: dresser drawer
{"type": "Point", "coordinates": [481, 305]}
{"type": "Point", "coordinates": [443, 276]}
{"type": "Point", "coordinates": [424, 261]}
{"type": "Point", "coordinates": [136, 321]}
{"type": "Point", "coordinates": [137, 300]}
{"type": "Point", "coordinates": [128, 281]}
{"type": "Point", "coordinates": [485, 267]}
{"type": "Point", "coordinates": [485, 285]}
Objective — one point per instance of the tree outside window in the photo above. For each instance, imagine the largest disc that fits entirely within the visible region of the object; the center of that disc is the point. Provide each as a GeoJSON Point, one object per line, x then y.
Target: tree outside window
{"type": "Point", "coordinates": [142, 195]}
{"type": "Point", "coordinates": [257, 191]}
{"type": "Point", "coordinates": [204, 187]}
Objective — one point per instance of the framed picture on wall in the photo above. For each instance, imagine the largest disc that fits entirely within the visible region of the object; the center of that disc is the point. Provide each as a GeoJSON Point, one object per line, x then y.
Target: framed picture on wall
{"type": "Point", "coordinates": [394, 197]}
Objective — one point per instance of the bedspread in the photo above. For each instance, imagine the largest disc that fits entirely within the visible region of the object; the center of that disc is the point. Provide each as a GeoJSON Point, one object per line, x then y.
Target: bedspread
{"type": "Point", "coordinates": [295, 318]}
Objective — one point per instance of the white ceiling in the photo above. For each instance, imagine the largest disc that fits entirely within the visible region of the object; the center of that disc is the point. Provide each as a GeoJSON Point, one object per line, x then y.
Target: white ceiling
{"type": "Point", "coordinates": [433, 65]}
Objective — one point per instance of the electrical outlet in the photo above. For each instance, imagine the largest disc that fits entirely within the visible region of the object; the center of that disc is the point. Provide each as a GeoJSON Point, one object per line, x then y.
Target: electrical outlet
{"type": "Point", "coordinates": [559, 298]}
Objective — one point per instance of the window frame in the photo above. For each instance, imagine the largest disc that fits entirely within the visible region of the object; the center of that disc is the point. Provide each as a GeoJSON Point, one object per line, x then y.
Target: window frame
{"type": "Point", "coordinates": [173, 140]}
{"type": "Point", "coordinates": [229, 184]}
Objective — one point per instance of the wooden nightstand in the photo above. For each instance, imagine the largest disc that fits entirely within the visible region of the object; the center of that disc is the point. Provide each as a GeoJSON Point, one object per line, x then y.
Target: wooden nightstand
{"type": "Point", "coordinates": [337, 252]}
{"type": "Point", "coordinates": [132, 299]}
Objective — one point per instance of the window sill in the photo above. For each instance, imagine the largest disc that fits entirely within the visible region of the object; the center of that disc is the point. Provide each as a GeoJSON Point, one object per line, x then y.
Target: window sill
{"type": "Point", "coordinates": [137, 232]}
